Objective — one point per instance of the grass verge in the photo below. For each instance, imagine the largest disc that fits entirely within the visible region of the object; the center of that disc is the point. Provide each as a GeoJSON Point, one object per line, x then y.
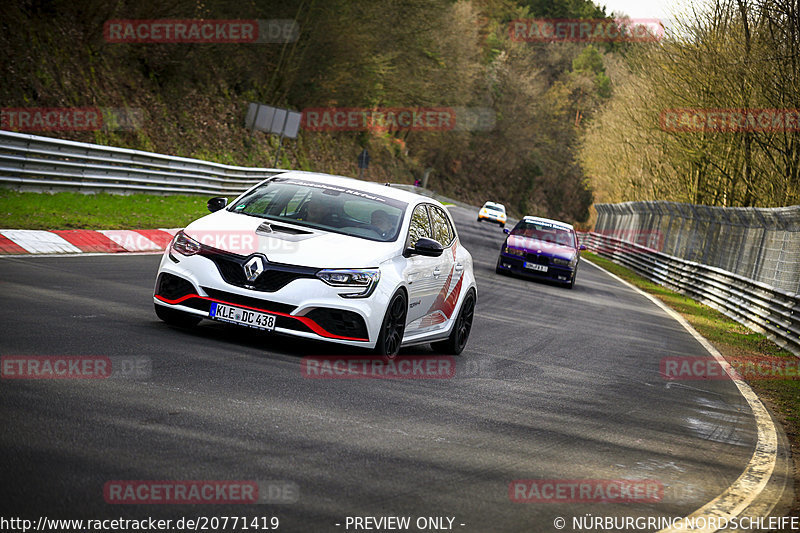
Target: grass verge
{"type": "Point", "coordinates": [735, 342]}
{"type": "Point", "coordinates": [70, 210]}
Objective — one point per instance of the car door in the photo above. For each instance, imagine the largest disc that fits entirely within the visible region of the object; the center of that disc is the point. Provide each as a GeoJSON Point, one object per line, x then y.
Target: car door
{"type": "Point", "coordinates": [423, 275]}
{"type": "Point", "coordinates": [450, 271]}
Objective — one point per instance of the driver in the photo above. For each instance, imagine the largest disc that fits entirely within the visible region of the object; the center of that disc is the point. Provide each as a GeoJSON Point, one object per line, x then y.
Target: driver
{"type": "Point", "coordinates": [319, 210]}
{"type": "Point", "coordinates": [381, 222]}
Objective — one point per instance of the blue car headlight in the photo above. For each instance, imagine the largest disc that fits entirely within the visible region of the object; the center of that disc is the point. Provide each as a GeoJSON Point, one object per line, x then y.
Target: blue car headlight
{"type": "Point", "coordinates": [565, 262]}
{"type": "Point", "coordinates": [513, 251]}
{"type": "Point", "coordinates": [365, 278]}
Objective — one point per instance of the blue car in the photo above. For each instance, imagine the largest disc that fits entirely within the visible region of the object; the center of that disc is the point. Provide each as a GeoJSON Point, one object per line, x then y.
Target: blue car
{"type": "Point", "coordinates": [541, 248]}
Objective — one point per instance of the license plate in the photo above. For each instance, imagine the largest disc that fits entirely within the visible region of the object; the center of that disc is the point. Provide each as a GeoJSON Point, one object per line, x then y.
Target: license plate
{"type": "Point", "coordinates": [535, 266]}
{"type": "Point", "coordinates": [244, 317]}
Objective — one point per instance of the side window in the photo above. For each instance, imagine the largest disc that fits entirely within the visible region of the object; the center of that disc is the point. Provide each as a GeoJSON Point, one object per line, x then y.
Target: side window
{"type": "Point", "coordinates": [442, 231]}
{"type": "Point", "coordinates": [420, 226]}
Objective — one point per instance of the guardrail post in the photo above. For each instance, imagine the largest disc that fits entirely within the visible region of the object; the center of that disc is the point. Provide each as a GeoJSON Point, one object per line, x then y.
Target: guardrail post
{"type": "Point", "coordinates": [676, 251]}
{"type": "Point", "coordinates": [670, 221]}
{"type": "Point", "coordinates": [776, 281]}
{"type": "Point", "coordinates": [694, 221]}
{"type": "Point", "coordinates": [756, 273]}
{"type": "Point", "coordinates": [745, 232]}
{"type": "Point", "coordinates": [708, 234]}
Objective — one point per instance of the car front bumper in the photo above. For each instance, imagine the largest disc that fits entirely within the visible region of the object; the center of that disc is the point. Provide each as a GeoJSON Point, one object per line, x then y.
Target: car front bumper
{"type": "Point", "coordinates": [515, 265]}
{"type": "Point", "coordinates": [304, 307]}
{"type": "Point", "coordinates": [491, 218]}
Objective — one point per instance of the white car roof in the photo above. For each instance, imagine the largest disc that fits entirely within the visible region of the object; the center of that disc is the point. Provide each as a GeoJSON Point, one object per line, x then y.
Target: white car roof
{"type": "Point", "coordinates": [359, 185]}
{"type": "Point", "coordinates": [548, 221]}
{"type": "Point", "coordinates": [495, 204]}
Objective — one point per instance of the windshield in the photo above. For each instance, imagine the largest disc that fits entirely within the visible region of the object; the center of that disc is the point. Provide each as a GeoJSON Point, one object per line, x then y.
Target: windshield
{"type": "Point", "coordinates": [326, 207]}
{"type": "Point", "coordinates": [545, 232]}
{"type": "Point", "coordinates": [495, 207]}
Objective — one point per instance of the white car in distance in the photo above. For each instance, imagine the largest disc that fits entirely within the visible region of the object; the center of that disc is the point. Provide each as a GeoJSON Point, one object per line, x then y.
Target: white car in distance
{"type": "Point", "coordinates": [493, 212]}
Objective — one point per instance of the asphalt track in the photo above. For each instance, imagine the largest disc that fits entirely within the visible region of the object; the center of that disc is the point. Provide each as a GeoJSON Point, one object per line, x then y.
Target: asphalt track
{"type": "Point", "coordinates": [555, 384]}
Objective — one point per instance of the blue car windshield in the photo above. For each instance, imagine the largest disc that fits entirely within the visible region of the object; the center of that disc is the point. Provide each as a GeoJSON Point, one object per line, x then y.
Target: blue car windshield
{"type": "Point", "coordinates": [327, 207]}
{"type": "Point", "coordinates": [545, 232]}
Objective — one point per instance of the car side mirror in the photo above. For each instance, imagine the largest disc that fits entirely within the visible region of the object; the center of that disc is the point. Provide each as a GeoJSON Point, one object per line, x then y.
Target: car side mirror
{"type": "Point", "coordinates": [506, 231]}
{"type": "Point", "coordinates": [582, 247]}
{"type": "Point", "coordinates": [427, 247]}
{"type": "Point", "coordinates": [215, 204]}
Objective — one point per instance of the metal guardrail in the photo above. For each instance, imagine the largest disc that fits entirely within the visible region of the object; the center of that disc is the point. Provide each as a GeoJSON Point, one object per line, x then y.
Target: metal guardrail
{"type": "Point", "coordinates": [758, 243]}
{"type": "Point", "coordinates": [45, 164]}
{"type": "Point", "coordinates": [773, 312]}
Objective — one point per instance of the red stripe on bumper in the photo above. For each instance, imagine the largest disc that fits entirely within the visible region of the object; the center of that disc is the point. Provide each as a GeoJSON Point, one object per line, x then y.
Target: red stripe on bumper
{"type": "Point", "coordinates": [313, 326]}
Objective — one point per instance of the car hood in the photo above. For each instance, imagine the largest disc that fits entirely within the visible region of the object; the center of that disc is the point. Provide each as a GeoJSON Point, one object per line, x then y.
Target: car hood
{"type": "Point", "coordinates": [288, 243]}
{"type": "Point", "coordinates": [541, 247]}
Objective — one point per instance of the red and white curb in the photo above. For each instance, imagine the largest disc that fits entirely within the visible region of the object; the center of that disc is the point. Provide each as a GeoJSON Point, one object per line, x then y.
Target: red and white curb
{"type": "Point", "coordinates": [77, 241]}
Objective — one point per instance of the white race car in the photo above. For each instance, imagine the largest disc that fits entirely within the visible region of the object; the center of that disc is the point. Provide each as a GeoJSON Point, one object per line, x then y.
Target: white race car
{"type": "Point", "coordinates": [493, 212]}
{"type": "Point", "coordinates": [324, 257]}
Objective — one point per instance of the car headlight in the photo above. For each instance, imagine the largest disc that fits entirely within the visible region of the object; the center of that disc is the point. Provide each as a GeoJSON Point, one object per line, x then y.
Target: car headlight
{"type": "Point", "coordinates": [185, 245]}
{"type": "Point", "coordinates": [513, 251]}
{"type": "Point", "coordinates": [565, 262]}
{"type": "Point", "coordinates": [366, 278]}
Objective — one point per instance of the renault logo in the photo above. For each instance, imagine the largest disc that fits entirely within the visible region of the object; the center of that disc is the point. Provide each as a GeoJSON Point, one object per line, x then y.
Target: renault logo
{"type": "Point", "coordinates": [253, 268]}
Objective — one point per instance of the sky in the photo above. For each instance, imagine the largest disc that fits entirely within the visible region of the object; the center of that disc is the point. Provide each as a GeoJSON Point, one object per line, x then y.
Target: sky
{"type": "Point", "coordinates": [659, 9]}
{"type": "Point", "coordinates": [665, 11]}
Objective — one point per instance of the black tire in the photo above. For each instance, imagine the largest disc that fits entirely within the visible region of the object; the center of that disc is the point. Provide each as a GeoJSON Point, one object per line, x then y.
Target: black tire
{"type": "Point", "coordinates": [458, 338]}
{"type": "Point", "coordinates": [571, 284]}
{"type": "Point", "coordinates": [393, 326]}
{"type": "Point", "coordinates": [176, 318]}
{"type": "Point", "coordinates": [480, 219]}
{"type": "Point", "coordinates": [502, 225]}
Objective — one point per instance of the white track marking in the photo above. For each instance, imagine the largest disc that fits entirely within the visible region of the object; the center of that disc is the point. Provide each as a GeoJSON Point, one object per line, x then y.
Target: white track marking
{"type": "Point", "coordinates": [742, 492]}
